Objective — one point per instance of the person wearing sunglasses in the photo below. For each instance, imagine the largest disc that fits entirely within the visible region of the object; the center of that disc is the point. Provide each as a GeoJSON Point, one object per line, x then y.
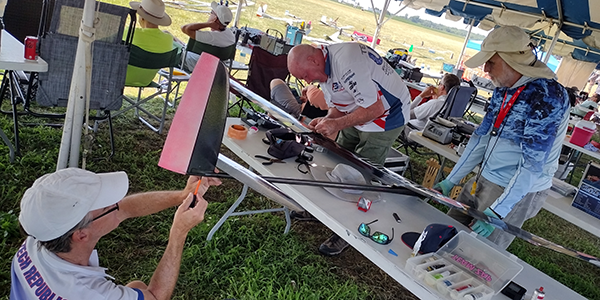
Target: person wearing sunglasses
{"type": "Point", "coordinates": [65, 214]}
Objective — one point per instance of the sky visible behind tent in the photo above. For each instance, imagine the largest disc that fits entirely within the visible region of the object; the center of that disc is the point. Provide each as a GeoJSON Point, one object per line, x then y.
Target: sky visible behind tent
{"type": "Point", "coordinates": [395, 6]}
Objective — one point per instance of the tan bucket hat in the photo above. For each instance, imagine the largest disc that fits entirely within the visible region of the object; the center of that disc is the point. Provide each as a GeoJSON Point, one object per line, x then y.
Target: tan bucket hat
{"type": "Point", "coordinates": [511, 43]}
{"type": "Point", "coordinates": [153, 11]}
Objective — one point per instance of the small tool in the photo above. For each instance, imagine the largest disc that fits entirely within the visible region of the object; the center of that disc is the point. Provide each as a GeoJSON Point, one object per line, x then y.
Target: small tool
{"type": "Point", "coordinates": [270, 160]}
{"type": "Point", "coordinates": [395, 215]}
{"type": "Point", "coordinates": [195, 198]}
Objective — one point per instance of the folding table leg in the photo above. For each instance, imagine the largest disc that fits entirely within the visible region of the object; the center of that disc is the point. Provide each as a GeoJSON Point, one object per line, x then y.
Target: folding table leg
{"type": "Point", "coordinates": [231, 212]}
{"type": "Point", "coordinates": [10, 146]}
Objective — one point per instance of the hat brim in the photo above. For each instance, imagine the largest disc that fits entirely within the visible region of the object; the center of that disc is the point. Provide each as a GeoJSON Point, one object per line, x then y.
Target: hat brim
{"type": "Point", "coordinates": [538, 70]}
{"type": "Point", "coordinates": [164, 21]}
{"type": "Point", "coordinates": [410, 238]}
{"type": "Point", "coordinates": [320, 173]}
{"type": "Point", "coordinates": [114, 188]}
{"type": "Point", "coordinates": [479, 59]}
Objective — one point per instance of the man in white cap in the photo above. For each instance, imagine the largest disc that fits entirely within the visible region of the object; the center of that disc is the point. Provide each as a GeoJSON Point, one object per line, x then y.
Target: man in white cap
{"type": "Point", "coordinates": [65, 213]}
{"type": "Point", "coordinates": [218, 35]}
{"type": "Point", "coordinates": [149, 38]}
{"type": "Point", "coordinates": [519, 140]}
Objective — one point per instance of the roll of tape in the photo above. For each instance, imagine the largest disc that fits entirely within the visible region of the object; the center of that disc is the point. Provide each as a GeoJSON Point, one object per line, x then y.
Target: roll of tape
{"type": "Point", "coordinates": [237, 132]}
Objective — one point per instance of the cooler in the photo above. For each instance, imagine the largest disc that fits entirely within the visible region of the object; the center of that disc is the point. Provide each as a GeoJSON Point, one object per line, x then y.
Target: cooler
{"type": "Point", "coordinates": [293, 35]}
{"type": "Point", "coordinates": [582, 134]}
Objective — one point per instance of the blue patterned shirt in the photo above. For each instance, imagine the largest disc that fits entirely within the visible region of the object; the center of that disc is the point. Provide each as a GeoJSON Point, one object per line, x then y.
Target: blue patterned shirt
{"type": "Point", "coordinates": [516, 158]}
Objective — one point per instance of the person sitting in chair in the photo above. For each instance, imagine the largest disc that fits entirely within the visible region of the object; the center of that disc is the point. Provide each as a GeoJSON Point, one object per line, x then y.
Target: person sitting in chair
{"type": "Point", "coordinates": [590, 104]}
{"type": "Point", "coordinates": [421, 111]}
{"type": "Point", "coordinates": [218, 35]}
{"type": "Point", "coordinates": [282, 96]}
{"type": "Point", "coordinates": [149, 38]}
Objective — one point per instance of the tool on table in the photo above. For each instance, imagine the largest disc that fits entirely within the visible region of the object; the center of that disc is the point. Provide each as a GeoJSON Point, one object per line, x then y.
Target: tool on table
{"type": "Point", "coordinates": [195, 198]}
{"type": "Point", "coordinates": [395, 215]}
{"type": "Point", "coordinates": [270, 160]}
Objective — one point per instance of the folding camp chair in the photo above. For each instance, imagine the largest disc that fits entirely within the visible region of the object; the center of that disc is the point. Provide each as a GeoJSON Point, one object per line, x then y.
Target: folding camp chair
{"type": "Point", "coordinates": [459, 99]}
{"type": "Point", "coordinates": [456, 104]}
{"type": "Point", "coordinates": [58, 38]}
{"type": "Point", "coordinates": [148, 60]}
{"type": "Point", "coordinates": [225, 54]}
{"type": "Point", "coordinates": [263, 67]}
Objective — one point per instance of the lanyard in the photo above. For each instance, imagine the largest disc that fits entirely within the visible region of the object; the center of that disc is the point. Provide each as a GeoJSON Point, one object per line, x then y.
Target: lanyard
{"type": "Point", "coordinates": [504, 110]}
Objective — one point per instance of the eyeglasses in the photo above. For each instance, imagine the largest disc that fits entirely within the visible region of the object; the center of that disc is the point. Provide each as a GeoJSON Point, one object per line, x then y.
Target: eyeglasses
{"type": "Point", "coordinates": [377, 237]}
{"type": "Point", "coordinates": [107, 212]}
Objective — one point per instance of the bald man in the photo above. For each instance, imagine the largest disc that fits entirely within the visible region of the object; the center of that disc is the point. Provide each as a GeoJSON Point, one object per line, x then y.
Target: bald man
{"type": "Point", "coordinates": [368, 102]}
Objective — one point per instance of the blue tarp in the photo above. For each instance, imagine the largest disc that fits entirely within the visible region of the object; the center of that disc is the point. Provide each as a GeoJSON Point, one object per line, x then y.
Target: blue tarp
{"type": "Point", "coordinates": [574, 11]}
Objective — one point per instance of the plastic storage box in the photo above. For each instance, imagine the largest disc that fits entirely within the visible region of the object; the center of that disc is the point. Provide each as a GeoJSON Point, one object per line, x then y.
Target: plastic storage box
{"type": "Point", "coordinates": [465, 268]}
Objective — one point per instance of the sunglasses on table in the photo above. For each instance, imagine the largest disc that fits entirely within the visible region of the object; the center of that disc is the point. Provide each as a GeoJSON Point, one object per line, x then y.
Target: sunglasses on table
{"type": "Point", "coordinates": [377, 237]}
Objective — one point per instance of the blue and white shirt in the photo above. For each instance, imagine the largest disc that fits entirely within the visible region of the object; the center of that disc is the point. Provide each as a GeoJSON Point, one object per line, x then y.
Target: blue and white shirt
{"type": "Point", "coordinates": [38, 274]}
{"type": "Point", "coordinates": [358, 77]}
{"type": "Point", "coordinates": [517, 158]}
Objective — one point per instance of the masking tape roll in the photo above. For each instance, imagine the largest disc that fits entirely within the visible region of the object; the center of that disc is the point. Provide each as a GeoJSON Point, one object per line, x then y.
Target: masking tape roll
{"type": "Point", "coordinates": [237, 132]}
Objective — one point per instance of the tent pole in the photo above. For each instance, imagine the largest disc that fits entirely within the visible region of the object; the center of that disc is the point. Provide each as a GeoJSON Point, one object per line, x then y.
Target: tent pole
{"type": "Point", "coordinates": [71, 138]}
{"type": "Point", "coordinates": [552, 44]}
{"type": "Point", "coordinates": [462, 51]}
{"type": "Point", "coordinates": [380, 22]}
{"type": "Point", "coordinates": [238, 13]}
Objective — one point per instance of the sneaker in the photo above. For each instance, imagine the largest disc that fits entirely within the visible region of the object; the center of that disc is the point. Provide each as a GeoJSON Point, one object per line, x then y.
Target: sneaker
{"type": "Point", "coordinates": [302, 216]}
{"type": "Point", "coordinates": [334, 245]}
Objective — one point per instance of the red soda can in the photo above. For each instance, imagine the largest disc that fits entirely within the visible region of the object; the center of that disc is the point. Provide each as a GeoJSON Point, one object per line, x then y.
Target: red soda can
{"type": "Point", "coordinates": [30, 47]}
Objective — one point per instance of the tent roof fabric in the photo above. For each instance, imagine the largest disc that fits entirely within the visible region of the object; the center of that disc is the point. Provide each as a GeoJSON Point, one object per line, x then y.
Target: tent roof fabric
{"type": "Point", "coordinates": [570, 12]}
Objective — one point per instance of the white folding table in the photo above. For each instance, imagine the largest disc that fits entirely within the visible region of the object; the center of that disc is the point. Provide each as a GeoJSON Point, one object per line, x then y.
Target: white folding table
{"type": "Point", "coordinates": [12, 59]}
{"type": "Point", "coordinates": [344, 218]}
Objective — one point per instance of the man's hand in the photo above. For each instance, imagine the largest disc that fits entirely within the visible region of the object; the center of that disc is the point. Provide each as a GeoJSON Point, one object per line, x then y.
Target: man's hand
{"type": "Point", "coordinates": [187, 218]}
{"type": "Point", "coordinates": [444, 187]}
{"type": "Point", "coordinates": [192, 183]}
{"type": "Point", "coordinates": [327, 127]}
{"type": "Point", "coordinates": [314, 123]}
{"type": "Point", "coordinates": [430, 91]}
{"type": "Point", "coordinates": [483, 228]}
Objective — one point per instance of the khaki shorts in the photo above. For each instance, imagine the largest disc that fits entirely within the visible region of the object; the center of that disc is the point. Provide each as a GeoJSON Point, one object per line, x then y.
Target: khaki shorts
{"type": "Point", "coordinates": [373, 146]}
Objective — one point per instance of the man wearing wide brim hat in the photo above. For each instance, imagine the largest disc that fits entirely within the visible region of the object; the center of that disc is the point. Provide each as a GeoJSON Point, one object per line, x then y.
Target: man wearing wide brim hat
{"type": "Point", "coordinates": [519, 140]}
{"type": "Point", "coordinates": [218, 35]}
{"type": "Point", "coordinates": [149, 37]}
{"type": "Point", "coordinates": [64, 215]}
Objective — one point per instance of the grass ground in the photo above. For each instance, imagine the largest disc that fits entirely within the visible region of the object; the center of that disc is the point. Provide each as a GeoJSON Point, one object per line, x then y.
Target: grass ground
{"type": "Point", "coordinates": [249, 258]}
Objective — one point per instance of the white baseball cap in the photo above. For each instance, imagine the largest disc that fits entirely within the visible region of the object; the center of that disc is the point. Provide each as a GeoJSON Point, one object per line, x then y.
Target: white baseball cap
{"type": "Point", "coordinates": [511, 43]}
{"type": "Point", "coordinates": [223, 13]}
{"type": "Point", "coordinates": [58, 201]}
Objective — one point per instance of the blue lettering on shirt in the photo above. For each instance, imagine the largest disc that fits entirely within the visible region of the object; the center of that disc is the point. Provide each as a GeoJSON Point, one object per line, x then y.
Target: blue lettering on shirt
{"type": "Point", "coordinates": [32, 276]}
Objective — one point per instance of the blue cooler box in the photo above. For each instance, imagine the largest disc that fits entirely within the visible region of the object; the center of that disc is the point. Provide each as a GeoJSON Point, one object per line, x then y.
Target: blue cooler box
{"type": "Point", "coordinates": [293, 35]}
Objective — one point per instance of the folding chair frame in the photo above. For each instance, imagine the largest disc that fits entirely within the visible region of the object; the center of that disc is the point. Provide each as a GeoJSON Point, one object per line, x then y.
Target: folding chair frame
{"type": "Point", "coordinates": [144, 59]}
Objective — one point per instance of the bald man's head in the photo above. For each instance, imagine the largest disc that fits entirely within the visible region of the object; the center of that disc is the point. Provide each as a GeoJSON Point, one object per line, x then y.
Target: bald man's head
{"type": "Point", "coordinates": [307, 63]}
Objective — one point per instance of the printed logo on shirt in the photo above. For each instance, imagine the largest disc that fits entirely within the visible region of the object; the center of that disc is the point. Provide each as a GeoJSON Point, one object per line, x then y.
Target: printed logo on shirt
{"type": "Point", "coordinates": [336, 87]}
{"type": "Point", "coordinates": [33, 277]}
{"type": "Point", "coordinates": [351, 85]}
{"type": "Point", "coordinates": [360, 100]}
{"type": "Point", "coordinates": [348, 78]}
{"type": "Point", "coordinates": [348, 74]}
{"type": "Point", "coordinates": [376, 58]}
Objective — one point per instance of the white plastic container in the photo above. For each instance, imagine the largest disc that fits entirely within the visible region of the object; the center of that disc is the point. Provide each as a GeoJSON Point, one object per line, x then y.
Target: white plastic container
{"type": "Point", "coordinates": [465, 268]}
